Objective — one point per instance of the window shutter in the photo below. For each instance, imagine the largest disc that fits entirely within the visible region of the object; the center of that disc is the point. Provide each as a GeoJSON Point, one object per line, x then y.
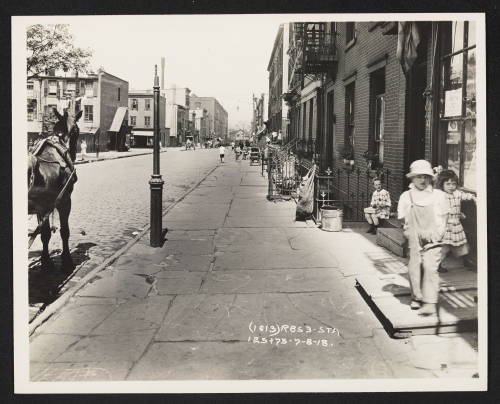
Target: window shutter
{"type": "Point", "coordinates": [45, 88]}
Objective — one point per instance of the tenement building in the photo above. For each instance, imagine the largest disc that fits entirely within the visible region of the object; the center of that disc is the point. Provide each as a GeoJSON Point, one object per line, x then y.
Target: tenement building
{"type": "Point", "coordinates": [368, 98]}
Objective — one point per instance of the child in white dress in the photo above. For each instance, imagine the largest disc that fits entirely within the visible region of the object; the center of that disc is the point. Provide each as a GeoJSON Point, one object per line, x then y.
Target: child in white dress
{"type": "Point", "coordinates": [380, 206]}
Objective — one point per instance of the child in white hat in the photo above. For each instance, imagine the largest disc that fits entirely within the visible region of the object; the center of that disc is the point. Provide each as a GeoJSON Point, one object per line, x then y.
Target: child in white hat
{"type": "Point", "coordinates": [424, 210]}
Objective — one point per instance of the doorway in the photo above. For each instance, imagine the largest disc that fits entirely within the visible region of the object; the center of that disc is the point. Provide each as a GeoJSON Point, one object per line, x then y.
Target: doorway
{"type": "Point", "coordinates": [416, 84]}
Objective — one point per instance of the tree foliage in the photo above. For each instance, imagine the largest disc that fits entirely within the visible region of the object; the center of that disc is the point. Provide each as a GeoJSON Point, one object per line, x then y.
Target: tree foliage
{"type": "Point", "coordinates": [51, 47]}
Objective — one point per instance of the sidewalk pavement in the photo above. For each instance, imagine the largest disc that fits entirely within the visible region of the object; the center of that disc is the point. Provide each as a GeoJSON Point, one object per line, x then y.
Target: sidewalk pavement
{"type": "Point", "coordinates": [238, 291]}
{"type": "Point", "coordinates": [113, 154]}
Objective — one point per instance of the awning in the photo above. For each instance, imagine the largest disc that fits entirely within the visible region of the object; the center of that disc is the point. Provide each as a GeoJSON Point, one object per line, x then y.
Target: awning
{"type": "Point", "coordinates": [90, 131]}
{"type": "Point", "coordinates": [142, 133]}
{"type": "Point", "coordinates": [118, 119]}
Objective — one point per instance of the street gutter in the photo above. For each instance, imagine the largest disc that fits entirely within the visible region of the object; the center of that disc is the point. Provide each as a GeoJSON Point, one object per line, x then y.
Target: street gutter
{"type": "Point", "coordinates": [61, 300]}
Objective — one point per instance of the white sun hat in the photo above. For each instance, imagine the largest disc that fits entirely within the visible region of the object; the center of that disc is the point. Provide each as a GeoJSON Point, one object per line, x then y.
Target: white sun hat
{"type": "Point", "coordinates": [420, 167]}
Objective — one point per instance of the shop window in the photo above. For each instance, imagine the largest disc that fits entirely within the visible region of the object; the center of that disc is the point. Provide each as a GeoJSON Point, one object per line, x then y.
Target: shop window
{"type": "Point", "coordinates": [88, 113]}
{"type": "Point", "coordinates": [457, 107]}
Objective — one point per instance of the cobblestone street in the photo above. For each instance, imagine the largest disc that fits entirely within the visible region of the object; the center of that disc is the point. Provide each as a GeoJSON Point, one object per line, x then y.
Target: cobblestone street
{"type": "Point", "coordinates": [110, 204]}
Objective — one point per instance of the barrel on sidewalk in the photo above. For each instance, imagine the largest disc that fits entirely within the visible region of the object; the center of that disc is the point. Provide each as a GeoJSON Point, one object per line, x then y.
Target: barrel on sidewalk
{"type": "Point", "coordinates": [331, 218]}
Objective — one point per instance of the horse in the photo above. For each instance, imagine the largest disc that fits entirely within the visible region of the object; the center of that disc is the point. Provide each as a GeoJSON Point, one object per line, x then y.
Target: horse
{"type": "Point", "coordinates": [51, 175]}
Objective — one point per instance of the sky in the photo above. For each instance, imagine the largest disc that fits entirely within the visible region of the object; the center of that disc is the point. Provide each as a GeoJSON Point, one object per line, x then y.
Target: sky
{"type": "Point", "coordinates": [225, 57]}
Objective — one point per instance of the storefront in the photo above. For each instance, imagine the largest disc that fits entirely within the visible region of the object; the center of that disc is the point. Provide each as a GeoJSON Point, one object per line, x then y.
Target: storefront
{"type": "Point", "coordinates": [454, 147]}
{"type": "Point", "coordinates": [455, 143]}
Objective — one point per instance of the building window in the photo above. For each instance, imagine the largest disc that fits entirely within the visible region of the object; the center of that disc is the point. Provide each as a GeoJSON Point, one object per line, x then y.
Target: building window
{"type": "Point", "coordinates": [88, 113]}
{"type": "Point", "coordinates": [30, 88]}
{"type": "Point", "coordinates": [52, 87]}
{"type": "Point", "coordinates": [349, 115]}
{"type": "Point", "coordinates": [89, 89]}
{"type": "Point", "coordinates": [71, 86]}
{"type": "Point", "coordinates": [31, 110]}
{"type": "Point", "coordinates": [133, 120]}
{"type": "Point", "coordinates": [350, 33]}
{"type": "Point", "coordinates": [147, 121]}
{"type": "Point", "coordinates": [377, 114]}
{"type": "Point", "coordinates": [119, 93]}
{"type": "Point", "coordinates": [135, 104]}
{"type": "Point", "coordinates": [147, 104]}
{"type": "Point", "coordinates": [457, 109]}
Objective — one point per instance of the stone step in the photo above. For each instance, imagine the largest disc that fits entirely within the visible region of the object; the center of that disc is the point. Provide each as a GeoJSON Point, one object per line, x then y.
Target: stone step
{"type": "Point", "coordinates": [393, 239]}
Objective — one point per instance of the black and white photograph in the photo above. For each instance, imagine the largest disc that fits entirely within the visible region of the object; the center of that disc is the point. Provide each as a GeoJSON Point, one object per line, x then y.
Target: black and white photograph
{"type": "Point", "coordinates": [249, 203]}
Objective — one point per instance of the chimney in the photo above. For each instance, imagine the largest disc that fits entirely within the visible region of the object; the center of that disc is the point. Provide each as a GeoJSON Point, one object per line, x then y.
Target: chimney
{"type": "Point", "coordinates": [162, 73]}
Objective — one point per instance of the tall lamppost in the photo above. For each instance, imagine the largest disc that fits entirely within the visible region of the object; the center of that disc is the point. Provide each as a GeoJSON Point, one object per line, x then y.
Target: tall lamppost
{"type": "Point", "coordinates": [156, 182]}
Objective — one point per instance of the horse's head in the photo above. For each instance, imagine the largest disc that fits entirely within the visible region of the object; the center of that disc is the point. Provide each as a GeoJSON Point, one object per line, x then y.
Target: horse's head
{"type": "Point", "coordinates": [66, 128]}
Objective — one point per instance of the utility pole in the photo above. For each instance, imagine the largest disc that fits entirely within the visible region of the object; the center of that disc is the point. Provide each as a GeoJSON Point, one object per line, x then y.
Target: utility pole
{"type": "Point", "coordinates": [156, 182]}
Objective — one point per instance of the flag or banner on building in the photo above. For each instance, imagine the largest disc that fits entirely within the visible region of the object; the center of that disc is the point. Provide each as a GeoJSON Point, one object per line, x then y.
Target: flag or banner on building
{"type": "Point", "coordinates": [408, 40]}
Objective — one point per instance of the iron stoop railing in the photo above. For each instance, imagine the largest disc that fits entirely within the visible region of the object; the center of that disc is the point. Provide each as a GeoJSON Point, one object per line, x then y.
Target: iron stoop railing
{"type": "Point", "coordinates": [346, 189]}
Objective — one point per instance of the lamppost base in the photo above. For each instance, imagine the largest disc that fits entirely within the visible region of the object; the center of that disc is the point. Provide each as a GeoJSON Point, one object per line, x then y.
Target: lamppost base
{"type": "Point", "coordinates": [156, 215]}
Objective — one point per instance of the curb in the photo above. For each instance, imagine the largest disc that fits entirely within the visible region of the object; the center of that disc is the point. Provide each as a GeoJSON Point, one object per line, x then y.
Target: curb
{"type": "Point", "coordinates": [61, 301]}
{"type": "Point", "coordinates": [114, 158]}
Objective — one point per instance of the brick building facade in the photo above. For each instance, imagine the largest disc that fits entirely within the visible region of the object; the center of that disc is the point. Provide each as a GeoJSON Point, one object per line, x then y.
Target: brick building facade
{"type": "Point", "coordinates": [357, 92]}
{"type": "Point", "coordinates": [102, 97]}
{"type": "Point", "coordinates": [141, 108]}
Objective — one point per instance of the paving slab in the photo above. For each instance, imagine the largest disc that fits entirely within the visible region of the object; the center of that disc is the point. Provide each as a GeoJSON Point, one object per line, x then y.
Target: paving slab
{"type": "Point", "coordinates": [178, 283]}
{"type": "Point", "coordinates": [227, 317]}
{"type": "Point", "coordinates": [76, 319]}
{"type": "Point", "coordinates": [103, 348]}
{"type": "Point", "coordinates": [119, 284]}
{"type": "Point", "coordinates": [245, 361]}
{"type": "Point", "coordinates": [79, 372]}
{"type": "Point", "coordinates": [270, 259]}
{"type": "Point", "coordinates": [193, 263]}
{"type": "Point", "coordinates": [267, 281]}
{"type": "Point", "coordinates": [263, 221]}
{"type": "Point", "coordinates": [47, 347]}
{"type": "Point", "coordinates": [135, 315]}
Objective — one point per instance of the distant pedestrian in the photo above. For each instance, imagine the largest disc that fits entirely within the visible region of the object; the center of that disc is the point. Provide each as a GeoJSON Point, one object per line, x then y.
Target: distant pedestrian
{"type": "Point", "coordinates": [222, 151]}
{"type": "Point", "coordinates": [380, 206]}
{"type": "Point", "coordinates": [424, 211]}
{"type": "Point", "coordinates": [454, 238]}
{"type": "Point", "coordinates": [237, 152]}
{"type": "Point", "coordinates": [83, 149]}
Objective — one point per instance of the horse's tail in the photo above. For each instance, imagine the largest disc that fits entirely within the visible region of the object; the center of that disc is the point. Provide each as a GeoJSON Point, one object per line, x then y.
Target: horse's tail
{"type": "Point", "coordinates": [32, 168]}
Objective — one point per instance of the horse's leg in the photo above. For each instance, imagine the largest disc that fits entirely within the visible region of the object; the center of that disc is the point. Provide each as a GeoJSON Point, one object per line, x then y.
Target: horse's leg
{"type": "Point", "coordinates": [64, 210]}
{"type": "Point", "coordinates": [45, 236]}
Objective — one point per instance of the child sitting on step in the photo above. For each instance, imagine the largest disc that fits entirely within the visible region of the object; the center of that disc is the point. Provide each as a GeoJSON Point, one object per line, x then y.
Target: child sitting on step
{"type": "Point", "coordinates": [454, 238]}
{"type": "Point", "coordinates": [380, 206]}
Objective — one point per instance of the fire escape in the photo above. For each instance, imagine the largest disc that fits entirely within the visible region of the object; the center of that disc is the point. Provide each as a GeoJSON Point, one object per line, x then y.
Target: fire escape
{"type": "Point", "coordinates": [312, 53]}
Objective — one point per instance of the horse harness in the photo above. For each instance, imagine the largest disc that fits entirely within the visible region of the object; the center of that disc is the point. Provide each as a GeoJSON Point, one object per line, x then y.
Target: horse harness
{"type": "Point", "coordinates": [63, 150]}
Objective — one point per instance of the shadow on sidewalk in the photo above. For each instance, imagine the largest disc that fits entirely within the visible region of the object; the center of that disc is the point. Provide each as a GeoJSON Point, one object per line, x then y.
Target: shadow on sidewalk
{"type": "Point", "coordinates": [45, 283]}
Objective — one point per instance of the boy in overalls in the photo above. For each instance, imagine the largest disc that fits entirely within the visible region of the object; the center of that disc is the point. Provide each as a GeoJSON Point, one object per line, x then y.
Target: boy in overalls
{"type": "Point", "coordinates": [425, 211]}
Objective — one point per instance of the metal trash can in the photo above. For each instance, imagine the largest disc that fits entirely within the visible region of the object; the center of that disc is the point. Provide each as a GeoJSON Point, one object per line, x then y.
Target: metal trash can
{"type": "Point", "coordinates": [331, 218]}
